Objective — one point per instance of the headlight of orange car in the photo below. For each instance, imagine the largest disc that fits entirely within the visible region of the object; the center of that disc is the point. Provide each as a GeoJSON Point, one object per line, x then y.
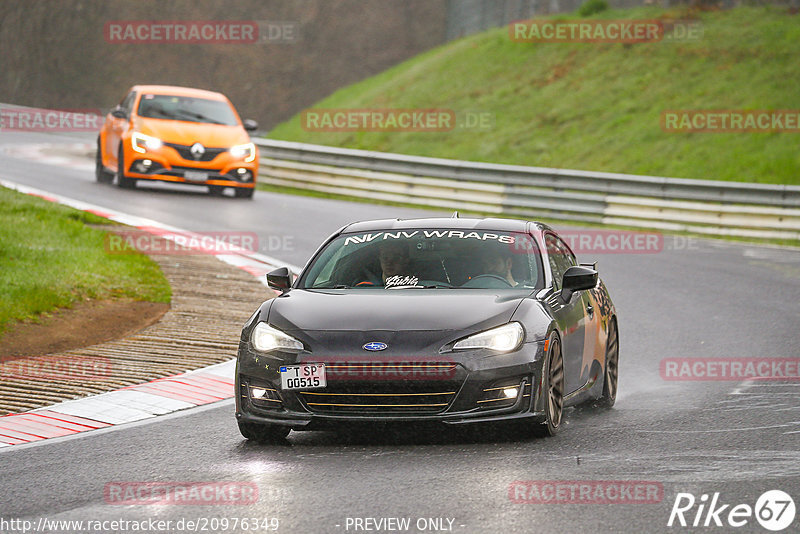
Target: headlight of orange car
{"type": "Point", "coordinates": [142, 143]}
{"type": "Point", "coordinates": [246, 151]}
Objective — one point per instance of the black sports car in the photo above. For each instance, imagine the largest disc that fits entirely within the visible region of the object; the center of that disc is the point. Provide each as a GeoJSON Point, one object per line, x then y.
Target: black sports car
{"type": "Point", "coordinates": [449, 320]}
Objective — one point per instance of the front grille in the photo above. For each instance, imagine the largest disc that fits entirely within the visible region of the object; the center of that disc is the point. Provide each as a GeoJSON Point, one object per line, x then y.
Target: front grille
{"type": "Point", "coordinates": [384, 389]}
{"type": "Point", "coordinates": [186, 152]}
{"type": "Point", "coordinates": [180, 172]}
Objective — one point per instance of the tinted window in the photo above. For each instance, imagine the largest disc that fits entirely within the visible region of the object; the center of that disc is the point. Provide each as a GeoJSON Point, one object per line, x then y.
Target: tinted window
{"type": "Point", "coordinates": [560, 257]}
{"type": "Point", "coordinates": [462, 259]}
{"type": "Point", "coordinates": [184, 108]}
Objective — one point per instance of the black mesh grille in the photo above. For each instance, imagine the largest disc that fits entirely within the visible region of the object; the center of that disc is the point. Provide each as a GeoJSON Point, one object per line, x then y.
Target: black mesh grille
{"type": "Point", "coordinates": [379, 389]}
{"type": "Point", "coordinates": [186, 152]}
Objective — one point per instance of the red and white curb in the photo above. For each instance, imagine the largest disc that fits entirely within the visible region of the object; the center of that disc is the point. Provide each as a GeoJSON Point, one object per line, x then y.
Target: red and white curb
{"type": "Point", "coordinates": [126, 405]}
{"type": "Point", "coordinates": [142, 401]}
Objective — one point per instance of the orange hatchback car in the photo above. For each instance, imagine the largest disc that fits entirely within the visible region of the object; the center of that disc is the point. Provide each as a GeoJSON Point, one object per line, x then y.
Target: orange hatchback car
{"type": "Point", "coordinates": [179, 135]}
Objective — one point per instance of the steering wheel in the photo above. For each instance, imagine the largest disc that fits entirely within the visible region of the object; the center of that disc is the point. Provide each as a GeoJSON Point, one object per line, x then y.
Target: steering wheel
{"type": "Point", "coordinates": [492, 276]}
{"type": "Point", "coordinates": [364, 278]}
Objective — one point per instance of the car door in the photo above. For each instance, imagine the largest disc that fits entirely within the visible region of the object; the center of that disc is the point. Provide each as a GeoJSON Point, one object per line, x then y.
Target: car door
{"type": "Point", "coordinates": [118, 127]}
{"type": "Point", "coordinates": [569, 315]}
{"type": "Point", "coordinates": [594, 336]}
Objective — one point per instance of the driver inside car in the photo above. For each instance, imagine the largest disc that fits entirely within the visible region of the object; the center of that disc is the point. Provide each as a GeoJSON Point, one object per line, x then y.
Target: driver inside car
{"type": "Point", "coordinates": [394, 261]}
{"type": "Point", "coordinates": [498, 261]}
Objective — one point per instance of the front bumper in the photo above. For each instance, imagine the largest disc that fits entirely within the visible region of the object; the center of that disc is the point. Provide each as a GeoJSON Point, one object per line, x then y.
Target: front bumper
{"type": "Point", "coordinates": [166, 164]}
{"type": "Point", "coordinates": [465, 387]}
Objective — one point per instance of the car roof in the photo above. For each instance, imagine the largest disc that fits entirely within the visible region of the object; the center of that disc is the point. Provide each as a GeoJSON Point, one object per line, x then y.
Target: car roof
{"type": "Point", "coordinates": [178, 91]}
{"type": "Point", "coordinates": [466, 223]}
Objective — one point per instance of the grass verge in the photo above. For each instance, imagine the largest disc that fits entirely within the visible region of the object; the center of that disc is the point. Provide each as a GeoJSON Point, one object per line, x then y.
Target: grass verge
{"type": "Point", "coordinates": [596, 106]}
{"type": "Point", "coordinates": [50, 258]}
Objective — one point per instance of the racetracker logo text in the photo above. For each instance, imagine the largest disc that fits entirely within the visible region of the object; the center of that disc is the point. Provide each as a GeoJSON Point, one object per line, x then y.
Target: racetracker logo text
{"type": "Point", "coordinates": [60, 367]}
{"type": "Point", "coordinates": [604, 31]}
{"type": "Point", "coordinates": [181, 493]}
{"type": "Point", "coordinates": [18, 119]}
{"type": "Point", "coordinates": [730, 121]}
{"type": "Point", "coordinates": [702, 369]}
{"type": "Point", "coordinates": [379, 369]}
{"type": "Point", "coordinates": [200, 32]}
{"type": "Point", "coordinates": [586, 492]}
{"type": "Point", "coordinates": [180, 243]}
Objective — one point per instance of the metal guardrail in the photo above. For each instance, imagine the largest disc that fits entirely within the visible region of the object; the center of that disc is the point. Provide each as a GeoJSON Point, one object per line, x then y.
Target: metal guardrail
{"type": "Point", "coordinates": [699, 206]}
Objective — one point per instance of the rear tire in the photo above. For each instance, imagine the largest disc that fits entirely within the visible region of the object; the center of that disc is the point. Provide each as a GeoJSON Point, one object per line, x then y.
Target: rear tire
{"type": "Point", "coordinates": [264, 433]}
{"type": "Point", "coordinates": [122, 180]}
{"type": "Point", "coordinates": [611, 374]}
{"type": "Point", "coordinates": [241, 192]}
{"type": "Point", "coordinates": [553, 386]}
{"type": "Point", "coordinates": [100, 173]}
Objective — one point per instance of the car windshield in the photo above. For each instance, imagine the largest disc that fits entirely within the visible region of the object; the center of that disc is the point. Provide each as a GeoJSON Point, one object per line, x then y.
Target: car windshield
{"type": "Point", "coordinates": [184, 108]}
{"type": "Point", "coordinates": [427, 259]}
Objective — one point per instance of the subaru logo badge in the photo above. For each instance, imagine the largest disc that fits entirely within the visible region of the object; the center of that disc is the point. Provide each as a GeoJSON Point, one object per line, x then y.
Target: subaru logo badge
{"type": "Point", "coordinates": [375, 346]}
{"type": "Point", "coordinates": [197, 150]}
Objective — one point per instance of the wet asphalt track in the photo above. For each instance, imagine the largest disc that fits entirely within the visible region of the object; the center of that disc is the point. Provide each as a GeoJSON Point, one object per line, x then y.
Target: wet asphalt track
{"type": "Point", "coordinates": [695, 299]}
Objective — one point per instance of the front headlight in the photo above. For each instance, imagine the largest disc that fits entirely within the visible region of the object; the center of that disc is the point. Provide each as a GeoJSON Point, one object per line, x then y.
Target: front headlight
{"type": "Point", "coordinates": [247, 152]}
{"type": "Point", "coordinates": [266, 338]}
{"type": "Point", "coordinates": [501, 339]}
{"type": "Point", "coordinates": [142, 143]}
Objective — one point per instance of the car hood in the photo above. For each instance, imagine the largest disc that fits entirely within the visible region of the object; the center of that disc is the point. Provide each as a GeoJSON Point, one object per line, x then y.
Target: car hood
{"type": "Point", "coordinates": [188, 133]}
{"type": "Point", "coordinates": [393, 310]}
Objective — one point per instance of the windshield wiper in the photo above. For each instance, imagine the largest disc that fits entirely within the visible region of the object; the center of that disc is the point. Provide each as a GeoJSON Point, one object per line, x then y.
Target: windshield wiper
{"type": "Point", "coordinates": [198, 116]}
{"type": "Point", "coordinates": [435, 286]}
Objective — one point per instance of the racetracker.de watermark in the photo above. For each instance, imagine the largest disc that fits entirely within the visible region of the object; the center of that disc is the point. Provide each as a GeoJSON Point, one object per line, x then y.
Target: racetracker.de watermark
{"type": "Point", "coordinates": [23, 119]}
{"type": "Point", "coordinates": [605, 31]}
{"type": "Point", "coordinates": [56, 367]}
{"type": "Point", "coordinates": [394, 120]}
{"type": "Point", "coordinates": [584, 241]}
{"type": "Point", "coordinates": [730, 121]}
{"type": "Point", "coordinates": [181, 493]}
{"type": "Point", "coordinates": [703, 369]}
{"type": "Point", "coordinates": [585, 492]}
{"type": "Point", "coordinates": [135, 241]}
{"type": "Point", "coordinates": [388, 368]}
{"type": "Point", "coordinates": [200, 32]}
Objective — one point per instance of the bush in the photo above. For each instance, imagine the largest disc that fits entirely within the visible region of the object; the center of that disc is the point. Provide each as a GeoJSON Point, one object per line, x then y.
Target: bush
{"type": "Point", "coordinates": [590, 7]}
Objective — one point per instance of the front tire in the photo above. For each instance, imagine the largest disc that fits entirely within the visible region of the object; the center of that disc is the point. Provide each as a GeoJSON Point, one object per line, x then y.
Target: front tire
{"type": "Point", "coordinates": [611, 375]}
{"type": "Point", "coordinates": [122, 180]}
{"type": "Point", "coordinates": [553, 387]}
{"type": "Point", "coordinates": [242, 192]}
{"type": "Point", "coordinates": [264, 433]}
{"type": "Point", "coordinates": [100, 173]}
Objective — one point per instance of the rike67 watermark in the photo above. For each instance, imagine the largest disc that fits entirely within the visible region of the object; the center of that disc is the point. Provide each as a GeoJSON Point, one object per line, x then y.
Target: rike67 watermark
{"type": "Point", "coordinates": [774, 510]}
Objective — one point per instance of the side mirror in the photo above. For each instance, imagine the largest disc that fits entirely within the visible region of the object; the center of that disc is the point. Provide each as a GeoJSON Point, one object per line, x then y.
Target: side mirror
{"type": "Point", "coordinates": [577, 278]}
{"type": "Point", "coordinates": [280, 279]}
{"type": "Point", "coordinates": [119, 113]}
{"type": "Point", "coordinates": [250, 125]}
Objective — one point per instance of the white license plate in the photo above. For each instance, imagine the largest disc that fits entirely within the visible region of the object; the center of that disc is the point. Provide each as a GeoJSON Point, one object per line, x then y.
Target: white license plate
{"type": "Point", "coordinates": [195, 176]}
{"type": "Point", "coordinates": [303, 376]}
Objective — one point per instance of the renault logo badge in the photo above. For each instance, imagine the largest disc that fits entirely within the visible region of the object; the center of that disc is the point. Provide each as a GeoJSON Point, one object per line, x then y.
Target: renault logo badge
{"type": "Point", "coordinates": [197, 150]}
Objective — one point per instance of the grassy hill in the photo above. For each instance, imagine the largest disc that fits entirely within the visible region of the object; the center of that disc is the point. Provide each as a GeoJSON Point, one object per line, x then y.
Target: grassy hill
{"type": "Point", "coordinates": [597, 106]}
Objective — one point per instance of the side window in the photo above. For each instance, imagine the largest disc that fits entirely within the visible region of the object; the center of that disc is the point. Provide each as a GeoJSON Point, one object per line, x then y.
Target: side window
{"type": "Point", "coordinates": [560, 257]}
{"type": "Point", "coordinates": [127, 102]}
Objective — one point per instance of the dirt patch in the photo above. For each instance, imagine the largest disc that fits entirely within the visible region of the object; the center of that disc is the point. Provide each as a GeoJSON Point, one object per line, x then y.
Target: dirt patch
{"type": "Point", "coordinates": [86, 323]}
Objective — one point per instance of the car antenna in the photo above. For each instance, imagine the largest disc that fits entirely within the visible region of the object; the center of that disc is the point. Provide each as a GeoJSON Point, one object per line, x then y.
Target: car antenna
{"type": "Point", "coordinates": [454, 215]}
